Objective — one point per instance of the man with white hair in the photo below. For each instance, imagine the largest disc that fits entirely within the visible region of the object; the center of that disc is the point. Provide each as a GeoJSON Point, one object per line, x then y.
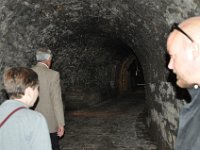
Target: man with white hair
{"type": "Point", "coordinates": [183, 46]}
{"type": "Point", "coordinates": [50, 100]}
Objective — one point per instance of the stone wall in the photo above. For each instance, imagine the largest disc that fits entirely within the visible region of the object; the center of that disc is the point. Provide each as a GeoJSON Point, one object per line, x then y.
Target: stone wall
{"type": "Point", "coordinates": [72, 30]}
{"type": "Point", "coordinates": [88, 69]}
{"type": "Point", "coordinates": [163, 110]}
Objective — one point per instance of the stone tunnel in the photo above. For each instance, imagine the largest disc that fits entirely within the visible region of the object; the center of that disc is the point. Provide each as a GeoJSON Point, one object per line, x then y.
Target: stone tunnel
{"type": "Point", "coordinates": [102, 49]}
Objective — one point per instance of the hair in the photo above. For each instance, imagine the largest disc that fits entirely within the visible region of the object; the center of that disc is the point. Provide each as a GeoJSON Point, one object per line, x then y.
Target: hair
{"type": "Point", "coordinates": [17, 79]}
{"type": "Point", "coordinates": [43, 54]}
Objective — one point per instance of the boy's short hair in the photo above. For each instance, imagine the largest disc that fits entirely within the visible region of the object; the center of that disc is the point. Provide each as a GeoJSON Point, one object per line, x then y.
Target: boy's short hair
{"type": "Point", "coordinates": [17, 79]}
{"type": "Point", "coordinates": [43, 54]}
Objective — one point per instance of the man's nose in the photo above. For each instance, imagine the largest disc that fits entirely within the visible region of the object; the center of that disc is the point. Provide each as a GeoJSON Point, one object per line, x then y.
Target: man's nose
{"type": "Point", "coordinates": [171, 64]}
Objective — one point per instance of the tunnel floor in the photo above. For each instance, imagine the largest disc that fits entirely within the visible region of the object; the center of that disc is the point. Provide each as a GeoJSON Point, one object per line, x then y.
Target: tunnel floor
{"type": "Point", "coordinates": [117, 124]}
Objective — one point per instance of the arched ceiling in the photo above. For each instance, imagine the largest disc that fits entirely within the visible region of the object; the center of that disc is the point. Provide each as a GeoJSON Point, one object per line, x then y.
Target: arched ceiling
{"type": "Point", "coordinates": [142, 25]}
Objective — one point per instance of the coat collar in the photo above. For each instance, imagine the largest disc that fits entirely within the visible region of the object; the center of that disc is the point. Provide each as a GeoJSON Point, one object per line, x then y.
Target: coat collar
{"type": "Point", "coordinates": [40, 64]}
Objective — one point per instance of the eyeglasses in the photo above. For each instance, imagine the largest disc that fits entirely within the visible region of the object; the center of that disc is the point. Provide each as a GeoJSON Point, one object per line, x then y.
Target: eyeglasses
{"type": "Point", "coordinates": [176, 27]}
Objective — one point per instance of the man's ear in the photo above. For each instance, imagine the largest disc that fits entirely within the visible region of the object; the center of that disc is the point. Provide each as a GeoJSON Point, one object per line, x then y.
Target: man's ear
{"type": "Point", "coordinates": [195, 51]}
{"type": "Point", "coordinates": [28, 92]}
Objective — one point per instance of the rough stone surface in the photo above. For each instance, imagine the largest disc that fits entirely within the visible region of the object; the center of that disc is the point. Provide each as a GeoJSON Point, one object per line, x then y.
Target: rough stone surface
{"type": "Point", "coordinates": [164, 106]}
{"type": "Point", "coordinates": [117, 124]}
{"type": "Point", "coordinates": [77, 30]}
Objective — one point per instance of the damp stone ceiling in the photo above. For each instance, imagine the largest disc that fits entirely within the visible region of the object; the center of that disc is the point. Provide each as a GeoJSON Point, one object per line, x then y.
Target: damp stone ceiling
{"type": "Point", "coordinates": [142, 25]}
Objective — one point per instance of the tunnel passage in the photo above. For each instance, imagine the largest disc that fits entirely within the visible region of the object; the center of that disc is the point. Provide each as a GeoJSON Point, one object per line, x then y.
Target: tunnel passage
{"type": "Point", "coordinates": [103, 69]}
{"type": "Point", "coordinates": [78, 32]}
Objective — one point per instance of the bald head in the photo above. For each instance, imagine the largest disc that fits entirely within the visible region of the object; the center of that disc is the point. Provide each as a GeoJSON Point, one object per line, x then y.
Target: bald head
{"type": "Point", "coordinates": [183, 48]}
{"type": "Point", "coordinates": [191, 21]}
{"type": "Point", "coordinates": [192, 27]}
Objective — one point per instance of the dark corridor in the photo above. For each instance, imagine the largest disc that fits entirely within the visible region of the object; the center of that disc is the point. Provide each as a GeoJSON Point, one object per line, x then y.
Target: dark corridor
{"type": "Point", "coordinates": [117, 124]}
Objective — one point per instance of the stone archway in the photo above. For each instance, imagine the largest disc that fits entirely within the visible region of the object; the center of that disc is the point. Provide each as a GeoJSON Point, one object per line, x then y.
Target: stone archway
{"type": "Point", "coordinates": [124, 75]}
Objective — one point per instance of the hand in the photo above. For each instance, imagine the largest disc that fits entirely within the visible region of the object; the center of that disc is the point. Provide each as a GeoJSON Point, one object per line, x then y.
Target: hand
{"type": "Point", "coordinates": [61, 131]}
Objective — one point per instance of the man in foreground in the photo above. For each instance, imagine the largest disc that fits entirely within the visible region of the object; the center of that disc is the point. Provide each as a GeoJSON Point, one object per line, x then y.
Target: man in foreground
{"type": "Point", "coordinates": [183, 46]}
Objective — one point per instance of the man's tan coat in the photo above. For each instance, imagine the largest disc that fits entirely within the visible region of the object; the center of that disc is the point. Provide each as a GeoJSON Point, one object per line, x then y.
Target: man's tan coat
{"type": "Point", "coordinates": [50, 101]}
